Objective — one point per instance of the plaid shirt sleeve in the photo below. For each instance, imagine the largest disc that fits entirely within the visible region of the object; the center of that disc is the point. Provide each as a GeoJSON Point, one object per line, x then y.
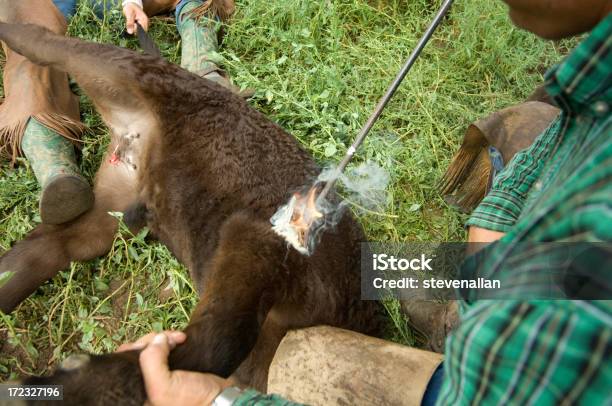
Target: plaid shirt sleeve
{"type": "Point", "coordinates": [501, 208]}
{"type": "Point", "coordinates": [537, 352]}
{"type": "Point", "coordinates": [549, 352]}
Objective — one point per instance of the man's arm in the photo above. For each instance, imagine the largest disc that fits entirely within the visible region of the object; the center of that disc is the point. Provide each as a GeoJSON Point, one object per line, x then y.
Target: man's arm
{"type": "Point", "coordinates": [538, 352]}
{"type": "Point", "coordinates": [479, 238]}
{"type": "Point", "coordinates": [170, 388]}
{"type": "Point", "coordinates": [478, 234]}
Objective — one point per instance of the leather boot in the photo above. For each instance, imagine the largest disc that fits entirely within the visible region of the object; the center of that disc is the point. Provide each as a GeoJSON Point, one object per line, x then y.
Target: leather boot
{"type": "Point", "coordinates": [40, 116]}
{"type": "Point", "coordinates": [433, 321]}
{"type": "Point", "coordinates": [326, 365]}
{"type": "Point", "coordinates": [471, 172]}
{"type": "Point", "coordinates": [65, 193]}
{"type": "Point", "coordinates": [199, 43]}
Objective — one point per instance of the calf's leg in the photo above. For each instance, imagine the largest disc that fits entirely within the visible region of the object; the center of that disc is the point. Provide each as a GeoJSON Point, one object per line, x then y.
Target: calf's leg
{"type": "Point", "coordinates": [245, 279]}
{"type": "Point", "coordinates": [253, 372]}
{"type": "Point", "coordinates": [106, 74]}
{"type": "Point", "coordinates": [49, 249]}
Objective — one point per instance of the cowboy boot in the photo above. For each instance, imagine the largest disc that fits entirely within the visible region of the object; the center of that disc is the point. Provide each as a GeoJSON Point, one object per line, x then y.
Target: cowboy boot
{"type": "Point", "coordinates": [40, 115]}
{"type": "Point", "coordinates": [65, 193]}
{"type": "Point", "coordinates": [432, 320]}
{"type": "Point", "coordinates": [488, 144]}
{"type": "Point", "coordinates": [327, 365]}
{"type": "Point", "coordinates": [199, 36]}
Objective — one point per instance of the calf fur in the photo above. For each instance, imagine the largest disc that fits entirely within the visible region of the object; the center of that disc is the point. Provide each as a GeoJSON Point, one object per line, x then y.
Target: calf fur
{"type": "Point", "coordinates": [204, 172]}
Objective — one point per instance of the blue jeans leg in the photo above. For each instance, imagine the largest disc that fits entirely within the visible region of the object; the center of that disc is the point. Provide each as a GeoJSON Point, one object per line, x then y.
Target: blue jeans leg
{"type": "Point", "coordinates": [67, 7]}
{"type": "Point", "coordinates": [433, 388]}
{"type": "Point", "coordinates": [179, 7]}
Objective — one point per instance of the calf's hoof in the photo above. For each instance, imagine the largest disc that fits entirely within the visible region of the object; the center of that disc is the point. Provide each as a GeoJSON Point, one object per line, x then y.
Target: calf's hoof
{"type": "Point", "coordinates": [433, 320]}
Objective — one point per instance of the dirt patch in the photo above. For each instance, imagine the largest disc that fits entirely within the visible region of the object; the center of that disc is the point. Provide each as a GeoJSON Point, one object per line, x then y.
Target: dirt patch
{"type": "Point", "coordinates": [15, 359]}
{"type": "Point", "coordinates": [121, 295]}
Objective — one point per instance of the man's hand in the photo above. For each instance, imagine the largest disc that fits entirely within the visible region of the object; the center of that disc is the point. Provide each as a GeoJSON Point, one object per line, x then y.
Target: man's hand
{"type": "Point", "coordinates": [165, 387]}
{"type": "Point", "coordinates": [133, 13]}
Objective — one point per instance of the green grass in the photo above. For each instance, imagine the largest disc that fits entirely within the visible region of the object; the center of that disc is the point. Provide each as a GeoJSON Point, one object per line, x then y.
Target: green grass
{"type": "Point", "coordinates": [319, 68]}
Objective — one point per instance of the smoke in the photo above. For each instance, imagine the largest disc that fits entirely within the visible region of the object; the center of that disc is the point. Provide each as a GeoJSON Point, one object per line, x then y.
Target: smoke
{"type": "Point", "coordinates": [302, 220]}
{"type": "Point", "coordinates": [366, 185]}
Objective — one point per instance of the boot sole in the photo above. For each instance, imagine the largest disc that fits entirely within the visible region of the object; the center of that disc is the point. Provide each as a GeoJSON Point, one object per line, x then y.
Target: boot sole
{"type": "Point", "coordinates": [65, 199]}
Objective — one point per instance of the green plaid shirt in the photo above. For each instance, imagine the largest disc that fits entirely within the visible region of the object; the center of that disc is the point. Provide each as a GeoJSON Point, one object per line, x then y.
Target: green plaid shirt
{"type": "Point", "coordinates": [253, 398]}
{"type": "Point", "coordinates": [560, 189]}
{"type": "Point", "coordinates": [546, 352]}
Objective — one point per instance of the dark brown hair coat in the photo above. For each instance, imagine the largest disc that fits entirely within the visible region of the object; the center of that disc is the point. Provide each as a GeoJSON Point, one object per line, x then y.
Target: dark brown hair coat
{"type": "Point", "coordinates": [208, 172]}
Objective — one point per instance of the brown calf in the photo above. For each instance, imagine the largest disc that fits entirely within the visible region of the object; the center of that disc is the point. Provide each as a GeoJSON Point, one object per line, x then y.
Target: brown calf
{"type": "Point", "coordinates": [204, 172]}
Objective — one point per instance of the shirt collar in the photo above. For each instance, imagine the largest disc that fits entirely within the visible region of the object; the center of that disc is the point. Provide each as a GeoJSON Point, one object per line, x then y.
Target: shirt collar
{"type": "Point", "coordinates": [582, 82]}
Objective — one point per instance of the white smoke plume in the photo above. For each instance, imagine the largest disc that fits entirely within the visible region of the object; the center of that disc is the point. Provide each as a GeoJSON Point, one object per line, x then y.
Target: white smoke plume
{"type": "Point", "coordinates": [366, 186]}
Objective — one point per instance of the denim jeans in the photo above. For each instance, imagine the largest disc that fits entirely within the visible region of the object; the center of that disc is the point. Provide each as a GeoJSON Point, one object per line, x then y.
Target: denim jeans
{"type": "Point", "coordinates": [68, 7]}
{"type": "Point", "coordinates": [433, 387]}
{"type": "Point", "coordinates": [179, 7]}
